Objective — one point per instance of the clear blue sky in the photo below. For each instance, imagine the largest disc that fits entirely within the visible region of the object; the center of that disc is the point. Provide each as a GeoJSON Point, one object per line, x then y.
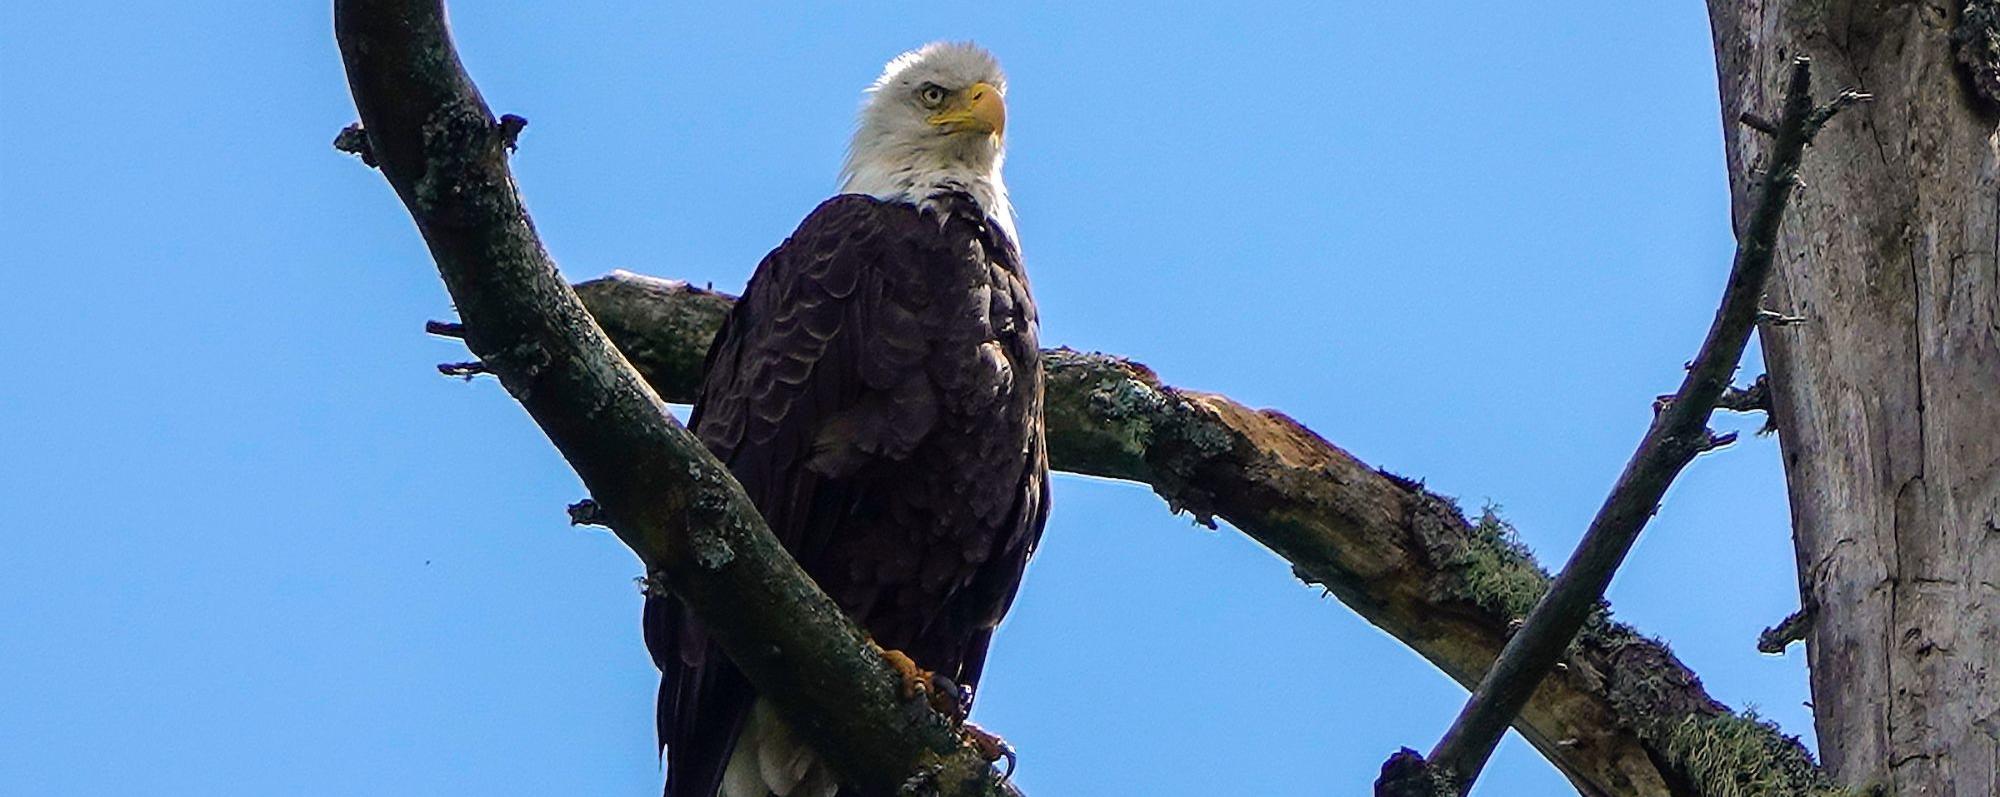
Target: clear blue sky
{"type": "Point", "coordinates": [253, 544]}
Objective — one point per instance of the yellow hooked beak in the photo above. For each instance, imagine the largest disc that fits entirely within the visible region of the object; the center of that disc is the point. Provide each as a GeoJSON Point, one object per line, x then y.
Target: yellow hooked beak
{"type": "Point", "coordinates": [977, 109]}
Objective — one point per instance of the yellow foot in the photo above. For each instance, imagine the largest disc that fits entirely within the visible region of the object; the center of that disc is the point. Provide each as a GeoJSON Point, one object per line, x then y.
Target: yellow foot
{"type": "Point", "coordinates": [915, 680]}
{"type": "Point", "coordinates": [990, 747]}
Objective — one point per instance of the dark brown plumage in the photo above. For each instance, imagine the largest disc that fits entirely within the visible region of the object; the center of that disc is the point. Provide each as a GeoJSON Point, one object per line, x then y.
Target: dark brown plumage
{"type": "Point", "coordinates": [878, 392]}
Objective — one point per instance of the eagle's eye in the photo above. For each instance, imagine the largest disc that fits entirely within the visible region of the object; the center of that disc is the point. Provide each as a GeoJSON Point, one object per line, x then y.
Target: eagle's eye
{"type": "Point", "coordinates": [931, 95]}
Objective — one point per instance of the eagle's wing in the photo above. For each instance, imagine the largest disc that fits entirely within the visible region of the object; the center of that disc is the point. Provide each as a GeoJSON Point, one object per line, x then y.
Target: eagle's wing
{"type": "Point", "coordinates": [817, 370]}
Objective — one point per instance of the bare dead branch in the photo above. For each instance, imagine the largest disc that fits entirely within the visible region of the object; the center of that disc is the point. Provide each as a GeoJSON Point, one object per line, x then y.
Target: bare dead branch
{"type": "Point", "coordinates": [445, 329]}
{"type": "Point", "coordinates": [1755, 398]}
{"type": "Point", "coordinates": [1777, 319]}
{"type": "Point", "coordinates": [1679, 432]}
{"type": "Point", "coordinates": [663, 494]}
{"type": "Point", "coordinates": [1713, 441]}
{"type": "Point", "coordinates": [1825, 113]}
{"type": "Point", "coordinates": [1758, 123]}
{"type": "Point", "coordinates": [1793, 628]}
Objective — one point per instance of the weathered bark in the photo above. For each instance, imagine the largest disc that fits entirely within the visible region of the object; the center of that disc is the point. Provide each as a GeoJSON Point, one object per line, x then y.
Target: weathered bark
{"type": "Point", "coordinates": [1887, 399]}
{"type": "Point", "coordinates": [1621, 717]}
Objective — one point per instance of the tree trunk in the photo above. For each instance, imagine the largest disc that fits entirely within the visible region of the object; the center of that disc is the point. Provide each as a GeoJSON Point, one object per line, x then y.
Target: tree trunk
{"type": "Point", "coordinates": [1887, 398]}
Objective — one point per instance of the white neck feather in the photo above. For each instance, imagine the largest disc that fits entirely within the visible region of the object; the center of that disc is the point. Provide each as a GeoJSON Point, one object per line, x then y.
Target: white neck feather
{"type": "Point", "coordinates": [920, 170]}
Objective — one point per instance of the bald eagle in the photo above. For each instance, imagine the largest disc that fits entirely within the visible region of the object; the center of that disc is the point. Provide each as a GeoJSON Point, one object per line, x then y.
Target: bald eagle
{"type": "Point", "coordinates": [878, 392]}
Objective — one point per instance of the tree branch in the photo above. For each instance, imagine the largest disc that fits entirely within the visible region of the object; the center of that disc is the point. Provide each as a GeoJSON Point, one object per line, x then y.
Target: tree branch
{"type": "Point", "coordinates": [436, 142]}
{"type": "Point", "coordinates": [1622, 717]}
{"type": "Point", "coordinates": [1755, 398]}
{"type": "Point", "coordinates": [1793, 628]}
{"type": "Point", "coordinates": [1679, 433]}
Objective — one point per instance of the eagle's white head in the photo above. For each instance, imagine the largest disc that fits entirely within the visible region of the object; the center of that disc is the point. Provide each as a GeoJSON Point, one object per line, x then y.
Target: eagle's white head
{"type": "Point", "coordinates": [934, 122]}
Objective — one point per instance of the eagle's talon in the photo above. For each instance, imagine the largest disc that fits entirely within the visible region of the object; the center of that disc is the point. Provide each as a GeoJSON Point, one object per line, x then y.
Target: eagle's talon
{"type": "Point", "coordinates": [1007, 752]}
{"type": "Point", "coordinates": [991, 747]}
{"type": "Point", "coordinates": [915, 680]}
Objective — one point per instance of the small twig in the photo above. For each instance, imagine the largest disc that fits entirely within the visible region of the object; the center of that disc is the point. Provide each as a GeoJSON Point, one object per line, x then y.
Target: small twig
{"type": "Point", "coordinates": [1755, 398]}
{"type": "Point", "coordinates": [1791, 629]}
{"type": "Point", "coordinates": [465, 369]}
{"type": "Point", "coordinates": [445, 329]}
{"type": "Point", "coordinates": [510, 130]}
{"type": "Point", "coordinates": [587, 513]}
{"type": "Point", "coordinates": [1825, 113]}
{"type": "Point", "coordinates": [354, 141]}
{"type": "Point", "coordinates": [1777, 319]}
{"type": "Point", "coordinates": [1754, 121]}
{"type": "Point", "coordinates": [1713, 441]}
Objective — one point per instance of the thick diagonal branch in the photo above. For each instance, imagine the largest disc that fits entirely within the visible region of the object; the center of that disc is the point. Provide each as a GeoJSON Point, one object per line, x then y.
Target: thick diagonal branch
{"type": "Point", "coordinates": [1622, 717]}
{"type": "Point", "coordinates": [678, 509]}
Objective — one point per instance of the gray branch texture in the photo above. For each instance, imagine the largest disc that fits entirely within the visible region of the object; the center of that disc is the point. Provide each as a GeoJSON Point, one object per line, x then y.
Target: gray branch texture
{"type": "Point", "coordinates": [1620, 715]}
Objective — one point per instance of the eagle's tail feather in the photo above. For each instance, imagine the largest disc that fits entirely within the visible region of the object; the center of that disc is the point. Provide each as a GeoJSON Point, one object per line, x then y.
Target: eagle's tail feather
{"type": "Point", "coordinates": [771, 761]}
